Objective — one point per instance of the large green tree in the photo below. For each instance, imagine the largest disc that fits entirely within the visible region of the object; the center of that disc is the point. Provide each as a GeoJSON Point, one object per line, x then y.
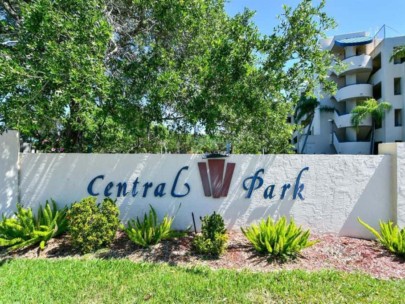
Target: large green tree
{"type": "Point", "coordinates": [104, 74]}
{"type": "Point", "coordinates": [53, 81]}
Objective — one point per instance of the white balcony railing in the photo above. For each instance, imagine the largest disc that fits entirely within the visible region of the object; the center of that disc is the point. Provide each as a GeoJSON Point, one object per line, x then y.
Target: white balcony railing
{"type": "Point", "coordinates": [361, 63]}
{"type": "Point", "coordinates": [345, 121]}
{"type": "Point", "coordinates": [352, 147]}
{"type": "Point", "coordinates": [354, 91]}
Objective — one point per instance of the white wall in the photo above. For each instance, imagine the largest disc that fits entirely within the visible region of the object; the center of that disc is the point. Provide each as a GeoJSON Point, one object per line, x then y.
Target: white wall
{"type": "Point", "coordinates": [397, 150]}
{"type": "Point", "coordinates": [9, 148]}
{"type": "Point", "coordinates": [337, 188]}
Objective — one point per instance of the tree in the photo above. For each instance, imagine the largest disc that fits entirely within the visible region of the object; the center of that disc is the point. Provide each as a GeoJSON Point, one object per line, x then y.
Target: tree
{"type": "Point", "coordinates": [100, 75]}
{"type": "Point", "coordinates": [53, 81]}
{"type": "Point", "coordinates": [373, 108]}
{"type": "Point", "coordinates": [305, 113]}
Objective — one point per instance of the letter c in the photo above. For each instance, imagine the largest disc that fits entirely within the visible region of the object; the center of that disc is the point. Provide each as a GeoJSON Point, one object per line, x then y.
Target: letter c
{"type": "Point", "coordinates": [90, 186]}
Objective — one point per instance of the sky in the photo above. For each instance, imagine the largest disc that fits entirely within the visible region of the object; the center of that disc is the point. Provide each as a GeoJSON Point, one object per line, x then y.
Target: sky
{"type": "Point", "coordinates": [350, 15]}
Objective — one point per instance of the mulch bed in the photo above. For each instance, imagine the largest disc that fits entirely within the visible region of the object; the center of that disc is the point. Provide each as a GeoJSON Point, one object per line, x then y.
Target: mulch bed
{"type": "Point", "coordinates": [332, 252]}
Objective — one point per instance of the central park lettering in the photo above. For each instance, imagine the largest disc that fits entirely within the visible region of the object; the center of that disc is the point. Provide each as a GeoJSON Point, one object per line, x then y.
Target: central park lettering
{"type": "Point", "coordinates": [123, 189]}
{"type": "Point", "coordinates": [177, 189]}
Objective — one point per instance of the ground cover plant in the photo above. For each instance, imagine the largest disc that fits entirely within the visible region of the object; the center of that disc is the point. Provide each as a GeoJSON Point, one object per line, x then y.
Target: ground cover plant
{"type": "Point", "coordinates": [149, 231]}
{"type": "Point", "coordinates": [213, 237]}
{"type": "Point", "coordinates": [122, 281]}
{"type": "Point", "coordinates": [391, 237]}
{"type": "Point", "coordinates": [91, 225]}
{"type": "Point", "coordinates": [280, 239]}
{"type": "Point", "coordinates": [26, 229]}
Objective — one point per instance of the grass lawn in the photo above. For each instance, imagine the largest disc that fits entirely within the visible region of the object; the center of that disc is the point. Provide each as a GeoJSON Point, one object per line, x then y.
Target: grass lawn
{"type": "Point", "coordinates": [122, 281]}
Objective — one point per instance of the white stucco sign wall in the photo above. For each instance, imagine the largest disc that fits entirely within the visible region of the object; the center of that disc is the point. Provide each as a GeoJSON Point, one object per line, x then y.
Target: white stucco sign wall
{"type": "Point", "coordinates": [9, 148]}
{"type": "Point", "coordinates": [325, 193]}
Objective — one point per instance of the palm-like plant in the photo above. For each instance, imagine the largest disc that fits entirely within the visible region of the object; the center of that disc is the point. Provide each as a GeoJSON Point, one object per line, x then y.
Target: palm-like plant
{"type": "Point", "coordinates": [149, 231]}
{"type": "Point", "coordinates": [25, 229]}
{"type": "Point", "coordinates": [373, 108]}
{"type": "Point", "coordinates": [305, 113]}
{"type": "Point", "coordinates": [399, 52]}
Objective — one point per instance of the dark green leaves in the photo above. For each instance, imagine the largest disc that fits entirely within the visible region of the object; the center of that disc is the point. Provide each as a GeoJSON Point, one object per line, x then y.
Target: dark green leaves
{"type": "Point", "coordinates": [99, 75]}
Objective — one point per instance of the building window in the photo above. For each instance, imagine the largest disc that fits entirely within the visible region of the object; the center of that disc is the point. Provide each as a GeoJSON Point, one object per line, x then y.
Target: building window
{"type": "Point", "coordinates": [397, 86]}
{"type": "Point", "coordinates": [377, 91]}
{"type": "Point", "coordinates": [398, 117]}
{"type": "Point", "coordinates": [398, 59]}
{"type": "Point", "coordinates": [376, 63]}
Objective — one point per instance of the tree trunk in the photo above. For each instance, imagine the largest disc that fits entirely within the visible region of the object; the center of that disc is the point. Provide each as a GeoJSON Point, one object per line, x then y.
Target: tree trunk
{"type": "Point", "coordinates": [306, 135]}
{"type": "Point", "coordinates": [372, 137]}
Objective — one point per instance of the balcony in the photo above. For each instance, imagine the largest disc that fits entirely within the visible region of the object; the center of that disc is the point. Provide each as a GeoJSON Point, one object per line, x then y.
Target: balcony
{"type": "Point", "coordinates": [354, 91]}
{"type": "Point", "coordinates": [358, 64]}
{"type": "Point", "coordinates": [345, 121]}
{"type": "Point", "coordinates": [352, 147]}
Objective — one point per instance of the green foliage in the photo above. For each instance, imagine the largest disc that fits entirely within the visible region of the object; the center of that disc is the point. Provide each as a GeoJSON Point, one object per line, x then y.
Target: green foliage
{"type": "Point", "coordinates": [123, 281]}
{"type": "Point", "coordinates": [399, 52]}
{"type": "Point", "coordinates": [26, 229]}
{"type": "Point", "coordinates": [54, 78]}
{"type": "Point", "coordinates": [305, 110]}
{"type": "Point", "coordinates": [213, 239]}
{"type": "Point", "coordinates": [391, 236]}
{"type": "Point", "coordinates": [370, 107]}
{"type": "Point", "coordinates": [375, 110]}
{"type": "Point", "coordinates": [91, 225]}
{"type": "Point", "coordinates": [142, 76]}
{"type": "Point", "coordinates": [149, 231]}
{"type": "Point", "coordinates": [280, 240]}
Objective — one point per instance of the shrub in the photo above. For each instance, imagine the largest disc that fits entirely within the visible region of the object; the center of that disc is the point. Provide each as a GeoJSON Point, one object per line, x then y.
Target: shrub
{"type": "Point", "coordinates": [213, 237]}
{"type": "Point", "coordinates": [391, 236]}
{"type": "Point", "coordinates": [280, 240]}
{"type": "Point", "coordinates": [26, 229]}
{"type": "Point", "coordinates": [149, 231]}
{"type": "Point", "coordinates": [93, 226]}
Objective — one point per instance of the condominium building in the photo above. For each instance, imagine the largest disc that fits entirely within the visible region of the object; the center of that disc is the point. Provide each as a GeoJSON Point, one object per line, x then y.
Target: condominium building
{"type": "Point", "coordinates": [367, 73]}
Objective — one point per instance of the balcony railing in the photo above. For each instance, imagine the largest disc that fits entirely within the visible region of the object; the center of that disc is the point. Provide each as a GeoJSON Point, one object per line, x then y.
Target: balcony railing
{"type": "Point", "coordinates": [350, 147]}
{"type": "Point", "coordinates": [354, 91]}
{"type": "Point", "coordinates": [345, 120]}
{"type": "Point", "coordinates": [360, 63]}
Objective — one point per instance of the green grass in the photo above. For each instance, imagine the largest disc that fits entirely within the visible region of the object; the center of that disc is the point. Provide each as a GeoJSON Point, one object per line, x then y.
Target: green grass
{"type": "Point", "coordinates": [121, 281]}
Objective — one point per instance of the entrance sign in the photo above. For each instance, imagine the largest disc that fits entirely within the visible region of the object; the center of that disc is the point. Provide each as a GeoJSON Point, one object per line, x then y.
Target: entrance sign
{"type": "Point", "coordinates": [325, 193]}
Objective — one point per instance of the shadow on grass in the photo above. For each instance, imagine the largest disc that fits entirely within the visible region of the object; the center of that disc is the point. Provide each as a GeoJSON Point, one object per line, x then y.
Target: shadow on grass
{"type": "Point", "coordinates": [172, 251]}
{"type": "Point", "coordinates": [5, 260]}
{"type": "Point", "coordinates": [258, 258]}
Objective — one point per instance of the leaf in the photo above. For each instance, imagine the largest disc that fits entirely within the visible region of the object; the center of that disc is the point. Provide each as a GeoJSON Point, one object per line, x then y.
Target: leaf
{"type": "Point", "coordinates": [278, 239]}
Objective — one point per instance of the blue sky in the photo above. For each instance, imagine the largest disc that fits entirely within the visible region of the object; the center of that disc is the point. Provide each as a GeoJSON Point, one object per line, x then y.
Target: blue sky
{"type": "Point", "coordinates": [351, 15]}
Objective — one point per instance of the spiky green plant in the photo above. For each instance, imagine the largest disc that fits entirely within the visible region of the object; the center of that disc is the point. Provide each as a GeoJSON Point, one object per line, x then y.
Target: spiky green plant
{"type": "Point", "coordinates": [149, 231]}
{"type": "Point", "coordinates": [26, 229]}
{"type": "Point", "coordinates": [280, 240]}
{"type": "Point", "coordinates": [391, 236]}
